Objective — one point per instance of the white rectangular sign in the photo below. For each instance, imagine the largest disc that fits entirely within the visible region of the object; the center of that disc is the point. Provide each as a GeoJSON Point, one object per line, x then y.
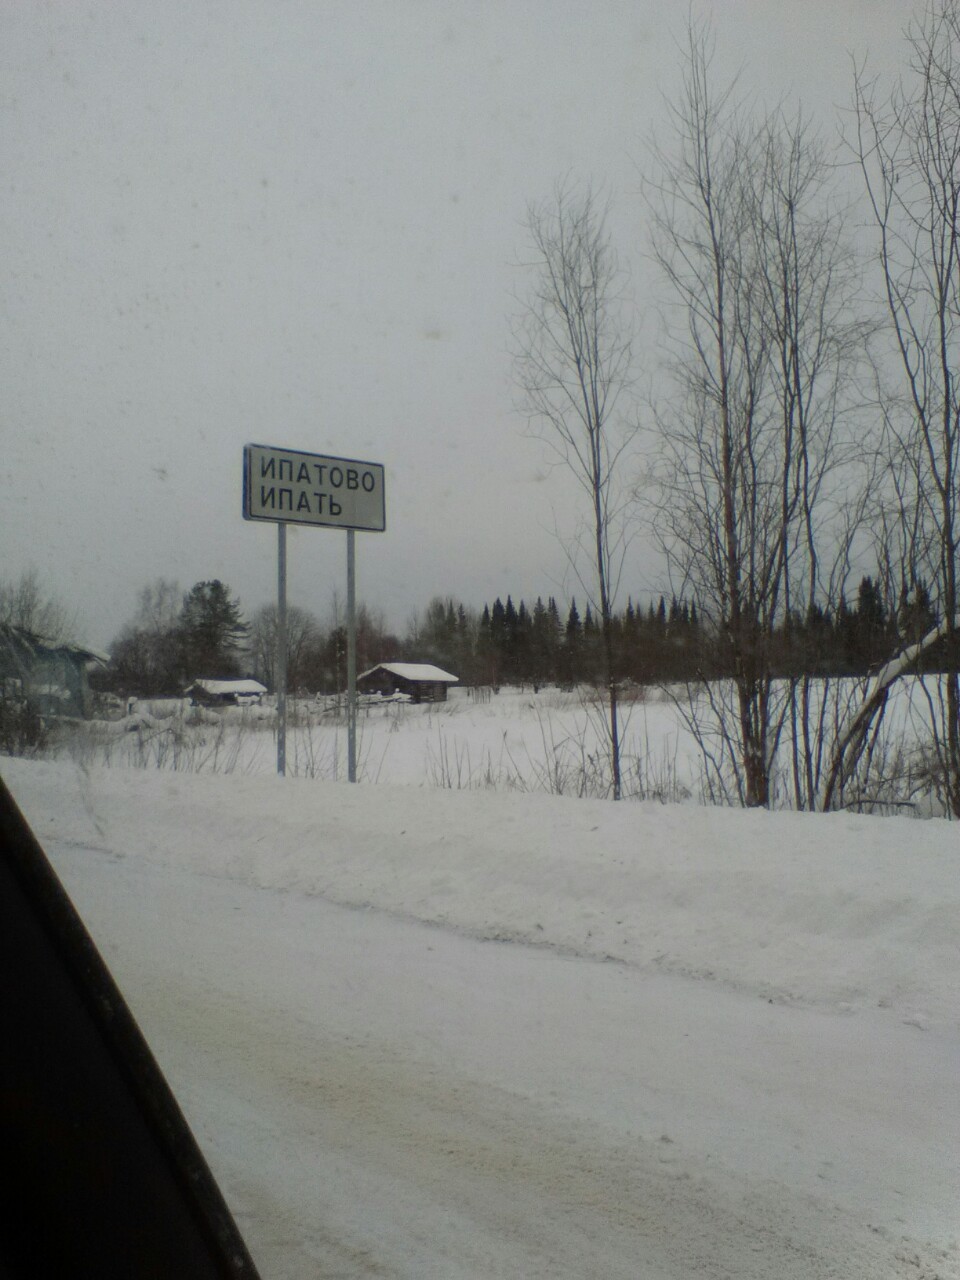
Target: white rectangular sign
{"type": "Point", "coordinates": [312, 488]}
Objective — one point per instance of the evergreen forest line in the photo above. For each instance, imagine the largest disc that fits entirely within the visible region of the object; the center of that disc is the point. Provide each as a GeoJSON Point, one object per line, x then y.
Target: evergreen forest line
{"type": "Point", "coordinates": [204, 633]}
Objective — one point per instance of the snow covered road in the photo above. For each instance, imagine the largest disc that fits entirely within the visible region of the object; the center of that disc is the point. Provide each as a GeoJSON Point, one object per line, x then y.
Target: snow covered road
{"type": "Point", "coordinates": [383, 1098]}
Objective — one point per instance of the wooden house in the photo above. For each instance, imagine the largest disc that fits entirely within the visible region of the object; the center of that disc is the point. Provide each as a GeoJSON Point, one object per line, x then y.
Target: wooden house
{"type": "Point", "coordinates": [51, 677]}
{"type": "Point", "coordinates": [420, 681]}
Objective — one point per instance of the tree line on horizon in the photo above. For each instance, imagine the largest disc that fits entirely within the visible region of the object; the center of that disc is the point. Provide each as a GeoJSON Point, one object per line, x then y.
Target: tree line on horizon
{"type": "Point", "coordinates": [663, 643]}
{"type": "Point", "coordinates": [176, 638]}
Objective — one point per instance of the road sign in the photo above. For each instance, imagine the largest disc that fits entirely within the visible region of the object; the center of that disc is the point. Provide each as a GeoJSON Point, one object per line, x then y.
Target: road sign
{"type": "Point", "coordinates": [286, 486]}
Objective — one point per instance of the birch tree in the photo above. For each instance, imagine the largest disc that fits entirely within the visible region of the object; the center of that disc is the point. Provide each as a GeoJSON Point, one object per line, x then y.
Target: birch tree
{"type": "Point", "coordinates": [573, 362]}
{"type": "Point", "coordinates": [760, 331]}
{"type": "Point", "coordinates": [907, 144]}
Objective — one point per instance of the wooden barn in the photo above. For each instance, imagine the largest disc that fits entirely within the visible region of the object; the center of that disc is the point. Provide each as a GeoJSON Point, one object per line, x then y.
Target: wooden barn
{"type": "Point", "coordinates": [420, 681]}
{"type": "Point", "coordinates": [51, 677]}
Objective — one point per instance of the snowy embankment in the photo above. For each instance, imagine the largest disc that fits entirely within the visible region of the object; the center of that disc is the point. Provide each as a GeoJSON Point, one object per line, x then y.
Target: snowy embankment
{"type": "Point", "coordinates": [834, 911]}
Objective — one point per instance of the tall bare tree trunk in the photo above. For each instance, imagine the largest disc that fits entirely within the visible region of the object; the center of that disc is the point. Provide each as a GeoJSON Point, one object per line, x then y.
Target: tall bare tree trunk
{"type": "Point", "coordinates": [572, 359]}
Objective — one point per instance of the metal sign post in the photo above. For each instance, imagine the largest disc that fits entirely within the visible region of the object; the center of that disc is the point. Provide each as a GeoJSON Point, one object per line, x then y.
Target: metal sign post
{"type": "Point", "coordinates": [285, 486]}
{"type": "Point", "coordinates": [280, 674]}
{"type": "Point", "coordinates": [351, 659]}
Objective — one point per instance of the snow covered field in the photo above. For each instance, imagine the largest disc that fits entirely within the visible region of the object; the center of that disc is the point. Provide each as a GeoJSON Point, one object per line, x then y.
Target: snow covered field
{"type": "Point", "coordinates": [461, 1034]}
{"type": "Point", "coordinates": [512, 740]}
{"type": "Point", "coordinates": [515, 740]}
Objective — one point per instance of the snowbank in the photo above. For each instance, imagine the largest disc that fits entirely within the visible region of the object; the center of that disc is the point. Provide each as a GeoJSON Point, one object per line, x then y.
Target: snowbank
{"type": "Point", "coordinates": [835, 910]}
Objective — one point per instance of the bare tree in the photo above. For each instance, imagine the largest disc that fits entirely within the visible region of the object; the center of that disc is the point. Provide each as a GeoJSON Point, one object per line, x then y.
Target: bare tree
{"type": "Point", "coordinates": [908, 148]}
{"type": "Point", "coordinates": [374, 642]}
{"type": "Point", "coordinates": [750, 242]}
{"type": "Point", "coordinates": [573, 362]}
{"type": "Point", "coordinates": [145, 654]}
{"type": "Point", "coordinates": [823, 468]}
{"type": "Point", "coordinates": [29, 606]}
{"type": "Point", "coordinates": [302, 634]}
{"type": "Point", "coordinates": [158, 608]}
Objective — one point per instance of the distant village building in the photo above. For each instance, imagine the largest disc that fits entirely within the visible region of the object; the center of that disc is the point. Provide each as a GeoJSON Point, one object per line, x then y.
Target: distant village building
{"type": "Point", "coordinates": [420, 681]}
{"type": "Point", "coordinates": [225, 693]}
{"type": "Point", "coordinates": [52, 677]}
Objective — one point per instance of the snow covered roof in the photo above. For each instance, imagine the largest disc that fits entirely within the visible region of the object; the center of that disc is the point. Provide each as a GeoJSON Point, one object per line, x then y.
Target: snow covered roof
{"type": "Point", "coordinates": [38, 646]}
{"type": "Point", "coordinates": [86, 654]}
{"type": "Point", "coordinates": [217, 687]}
{"type": "Point", "coordinates": [413, 671]}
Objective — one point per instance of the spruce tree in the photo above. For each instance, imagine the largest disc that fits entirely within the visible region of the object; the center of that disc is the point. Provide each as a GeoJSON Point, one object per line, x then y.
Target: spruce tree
{"type": "Point", "coordinates": [210, 631]}
{"type": "Point", "coordinates": [573, 646]}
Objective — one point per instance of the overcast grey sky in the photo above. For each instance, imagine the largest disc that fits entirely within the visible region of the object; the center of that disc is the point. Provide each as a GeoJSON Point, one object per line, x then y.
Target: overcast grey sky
{"type": "Point", "coordinates": [300, 224]}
